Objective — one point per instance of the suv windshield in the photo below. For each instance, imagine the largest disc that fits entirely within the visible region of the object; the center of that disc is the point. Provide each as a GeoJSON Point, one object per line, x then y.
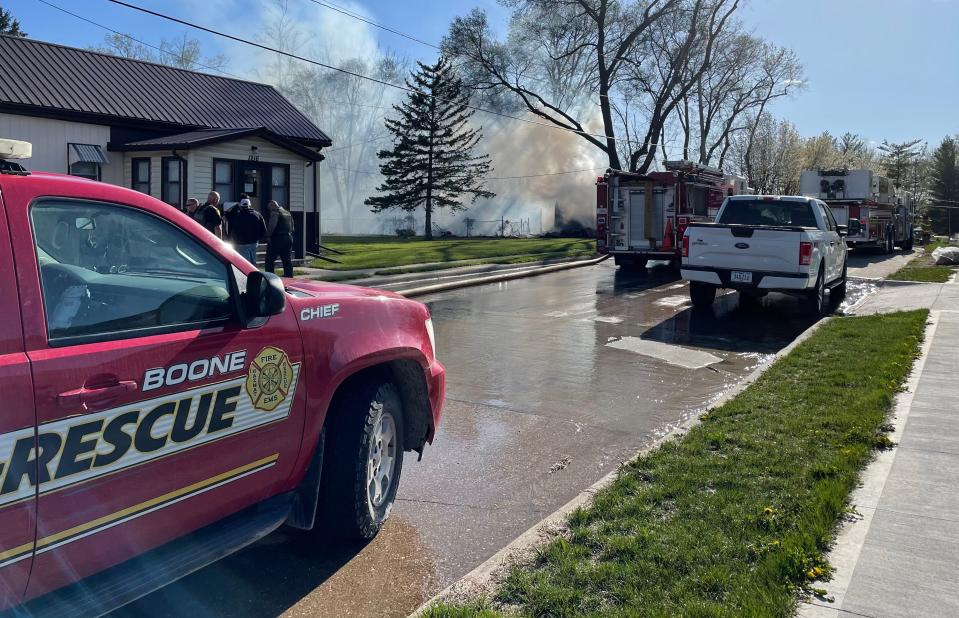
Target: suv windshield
{"type": "Point", "coordinates": [768, 212]}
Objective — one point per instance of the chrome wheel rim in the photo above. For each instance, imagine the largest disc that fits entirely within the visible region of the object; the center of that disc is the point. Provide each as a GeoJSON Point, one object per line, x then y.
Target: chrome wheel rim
{"type": "Point", "coordinates": [381, 463]}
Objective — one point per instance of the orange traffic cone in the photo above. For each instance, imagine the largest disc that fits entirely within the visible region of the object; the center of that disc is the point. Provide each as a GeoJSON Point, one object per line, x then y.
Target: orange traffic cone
{"type": "Point", "coordinates": [668, 235]}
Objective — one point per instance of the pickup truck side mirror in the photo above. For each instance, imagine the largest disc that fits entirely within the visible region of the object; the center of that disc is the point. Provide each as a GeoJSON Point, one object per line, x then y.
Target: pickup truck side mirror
{"type": "Point", "coordinates": [854, 228]}
{"type": "Point", "coordinates": [842, 230]}
{"type": "Point", "coordinates": [264, 295]}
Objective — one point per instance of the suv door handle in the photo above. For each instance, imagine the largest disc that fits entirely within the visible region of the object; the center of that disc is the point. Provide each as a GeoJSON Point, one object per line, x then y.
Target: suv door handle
{"type": "Point", "coordinates": [83, 397]}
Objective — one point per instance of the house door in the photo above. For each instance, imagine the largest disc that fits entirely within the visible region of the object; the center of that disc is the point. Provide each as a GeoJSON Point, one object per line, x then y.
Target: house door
{"type": "Point", "coordinates": [251, 182]}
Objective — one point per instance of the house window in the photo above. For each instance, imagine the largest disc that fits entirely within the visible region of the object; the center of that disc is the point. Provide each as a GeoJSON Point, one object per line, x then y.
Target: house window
{"type": "Point", "coordinates": [141, 174]}
{"type": "Point", "coordinates": [280, 185]}
{"type": "Point", "coordinates": [85, 160]}
{"type": "Point", "coordinates": [172, 181]}
{"type": "Point", "coordinates": [223, 180]}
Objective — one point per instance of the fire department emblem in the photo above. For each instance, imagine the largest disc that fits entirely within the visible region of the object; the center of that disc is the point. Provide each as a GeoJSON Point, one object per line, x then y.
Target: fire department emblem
{"type": "Point", "coordinates": [268, 382]}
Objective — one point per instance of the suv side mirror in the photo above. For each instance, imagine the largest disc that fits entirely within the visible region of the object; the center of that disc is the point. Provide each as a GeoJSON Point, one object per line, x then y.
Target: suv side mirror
{"type": "Point", "coordinates": [854, 228]}
{"type": "Point", "coordinates": [842, 230]}
{"type": "Point", "coordinates": [264, 295]}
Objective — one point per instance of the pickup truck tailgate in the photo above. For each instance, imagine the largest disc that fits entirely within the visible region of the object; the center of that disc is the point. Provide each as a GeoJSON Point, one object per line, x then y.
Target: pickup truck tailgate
{"type": "Point", "coordinates": [747, 248]}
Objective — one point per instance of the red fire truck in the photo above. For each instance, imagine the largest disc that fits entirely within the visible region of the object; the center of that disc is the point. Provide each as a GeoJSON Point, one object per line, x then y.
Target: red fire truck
{"type": "Point", "coordinates": [641, 217]}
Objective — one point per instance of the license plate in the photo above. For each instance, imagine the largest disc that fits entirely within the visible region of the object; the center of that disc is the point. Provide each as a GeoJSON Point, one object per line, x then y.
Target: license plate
{"type": "Point", "coordinates": [739, 276]}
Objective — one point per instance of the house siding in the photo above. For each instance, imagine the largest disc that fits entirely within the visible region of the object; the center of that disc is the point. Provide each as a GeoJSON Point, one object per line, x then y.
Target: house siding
{"type": "Point", "coordinates": [201, 168]}
{"type": "Point", "coordinates": [50, 138]}
{"type": "Point", "coordinates": [155, 163]}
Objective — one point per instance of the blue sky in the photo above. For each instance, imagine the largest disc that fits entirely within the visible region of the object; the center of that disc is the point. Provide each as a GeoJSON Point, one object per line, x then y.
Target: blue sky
{"type": "Point", "coordinates": [886, 69]}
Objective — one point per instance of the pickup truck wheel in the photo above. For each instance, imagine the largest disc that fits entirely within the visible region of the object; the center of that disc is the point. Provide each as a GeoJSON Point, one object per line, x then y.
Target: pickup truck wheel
{"type": "Point", "coordinates": [814, 302]}
{"type": "Point", "coordinates": [838, 291]}
{"type": "Point", "coordinates": [702, 294]}
{"type": "Point", "coordinates": [749, 301]}
{"type": "Point", "coordinates": [363, 461]}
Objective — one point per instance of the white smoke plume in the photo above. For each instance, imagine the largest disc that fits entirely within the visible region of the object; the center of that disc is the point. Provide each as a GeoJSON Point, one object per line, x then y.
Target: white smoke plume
{"type": "Point", "coordinates": [350, 172]}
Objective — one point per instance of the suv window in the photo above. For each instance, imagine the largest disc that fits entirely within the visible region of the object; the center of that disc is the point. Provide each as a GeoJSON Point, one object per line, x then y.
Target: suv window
{"type": "Point", "coordinates": [768, 212]}
{"type": "Point", "coordinates": [109, 271]}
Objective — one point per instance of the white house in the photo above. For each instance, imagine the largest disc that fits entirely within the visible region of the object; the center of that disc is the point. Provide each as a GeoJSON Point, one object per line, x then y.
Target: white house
{"type": "Point", "coordinates": [168, 132]}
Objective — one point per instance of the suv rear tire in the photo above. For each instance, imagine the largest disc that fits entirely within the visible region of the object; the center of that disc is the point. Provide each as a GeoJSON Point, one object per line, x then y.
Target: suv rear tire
{"type": "Point", "coordinates": [702, 294]}
{"type": "Point", "coordinates": [362, 462]}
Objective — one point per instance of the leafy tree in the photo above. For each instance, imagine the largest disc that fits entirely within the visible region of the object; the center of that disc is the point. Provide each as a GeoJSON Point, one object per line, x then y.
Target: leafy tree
{"type": "Point", "coordinates": [898, 158]}
{"type": "Point", "coordinates": [854, 153]}
{"type": "Point", "coordinates": [182, 52]}
{"type": "Point", "coordinates": [432, 162]}
{"type": "Point", "coordinates": [9, 24]}
{"type": "Point", "coordinates": [633, 61]}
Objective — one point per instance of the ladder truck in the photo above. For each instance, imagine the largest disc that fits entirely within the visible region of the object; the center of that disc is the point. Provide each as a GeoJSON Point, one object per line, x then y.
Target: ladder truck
{"type": "Point", "coordinates": [879, 215]}
{"type": "Point", "coordinates": [642, 217]}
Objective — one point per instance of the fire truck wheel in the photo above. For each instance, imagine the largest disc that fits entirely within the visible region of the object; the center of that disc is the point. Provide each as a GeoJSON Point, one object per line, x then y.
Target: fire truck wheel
{"type": "Point", "coordinates": [363, 461]}
{"type": "Point", "coordinates": [702, 294]}
{"type": "Point", "coordinates": [630, 263]}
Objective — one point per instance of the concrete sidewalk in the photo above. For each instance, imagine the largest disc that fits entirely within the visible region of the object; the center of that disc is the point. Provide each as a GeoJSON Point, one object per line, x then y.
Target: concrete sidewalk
{"type": "Point", "coordinates": [899, 556]}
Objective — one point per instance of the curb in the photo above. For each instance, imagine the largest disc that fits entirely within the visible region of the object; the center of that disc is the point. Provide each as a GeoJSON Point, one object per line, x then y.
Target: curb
{"type": "Point", "coordinates": [479, 579]}
{"type": "Point", "coordinates": [455, 285]}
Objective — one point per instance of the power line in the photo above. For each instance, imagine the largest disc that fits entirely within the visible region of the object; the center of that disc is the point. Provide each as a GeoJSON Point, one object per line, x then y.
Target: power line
{"type": "Point", "coordinates": [406, 35]}
{"type": "Point", "coordinates": [370, 22]}
{"type": "Point", "coordinates": [589, 169]}
{"type": "Point", "coordinates": [383, 82]}
{"type": "Point", "coordinates": [141, 42]}
{"type": "Point", "coordinates": [220, 70]}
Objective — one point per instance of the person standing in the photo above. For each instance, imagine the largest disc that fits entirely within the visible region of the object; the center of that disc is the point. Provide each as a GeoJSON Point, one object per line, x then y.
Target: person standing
{"type": "Point", "coordinates": [207, 215]}
{"type": "Point", "coordinates": [279, 239]}
{"type": "Point", "coordinates": [246, 229]}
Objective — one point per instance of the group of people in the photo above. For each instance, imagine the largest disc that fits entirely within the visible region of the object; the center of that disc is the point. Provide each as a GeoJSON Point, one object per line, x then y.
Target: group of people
{"type": "Point", "coordinates": [246, 228]}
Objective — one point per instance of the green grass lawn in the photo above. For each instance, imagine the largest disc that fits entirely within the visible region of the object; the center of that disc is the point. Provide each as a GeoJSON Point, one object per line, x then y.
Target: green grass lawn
{"type": "Point", "coordinates": [734, 518]}
{"type": "Point", "coordinates": [388, 252]}
{"type": "Point", "coordinates": [923, 269]}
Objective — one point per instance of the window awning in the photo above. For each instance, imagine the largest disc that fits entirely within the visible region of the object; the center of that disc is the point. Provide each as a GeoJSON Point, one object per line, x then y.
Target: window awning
{"type": "Point", "coordinates": [89, 153]}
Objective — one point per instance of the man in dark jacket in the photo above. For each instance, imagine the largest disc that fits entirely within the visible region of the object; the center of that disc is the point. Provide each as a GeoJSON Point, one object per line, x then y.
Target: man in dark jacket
{"type": "Point", "coordinates": [279, 239]}
{"type": "Point", "coordinates": [246, 229]}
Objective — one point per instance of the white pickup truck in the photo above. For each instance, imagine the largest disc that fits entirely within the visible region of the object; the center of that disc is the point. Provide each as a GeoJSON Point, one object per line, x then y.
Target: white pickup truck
{"type": "Point", "coordinates": [761, 243]}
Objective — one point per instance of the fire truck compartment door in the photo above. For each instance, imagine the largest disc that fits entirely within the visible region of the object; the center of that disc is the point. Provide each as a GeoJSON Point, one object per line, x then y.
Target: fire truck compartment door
{"type": "Point", "coordinates": [645, 219]}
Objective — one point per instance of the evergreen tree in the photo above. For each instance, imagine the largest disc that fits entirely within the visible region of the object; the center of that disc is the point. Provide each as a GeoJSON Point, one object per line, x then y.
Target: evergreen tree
{"type": "Point", "coordinates": [9, 24]}
{"type": "Point", "coordinates": [944, 184]}
{"type": "Point", "coordinates": [432, 163]}
{"type": "Point", "coordinates": [945, 173]}
{"type": "Point", "coordinates": [899, 158]}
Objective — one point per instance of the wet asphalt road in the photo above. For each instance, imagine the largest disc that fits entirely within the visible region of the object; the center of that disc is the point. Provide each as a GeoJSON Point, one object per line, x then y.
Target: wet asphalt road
{"type": "Point", "coordinates": [539, 406]}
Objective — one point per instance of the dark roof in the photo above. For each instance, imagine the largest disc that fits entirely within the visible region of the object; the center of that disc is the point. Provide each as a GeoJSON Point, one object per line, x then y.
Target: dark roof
{"type": "Point", "coordinates": [202, 137]}
{"type": "Point", "coordinates": [40, 76]}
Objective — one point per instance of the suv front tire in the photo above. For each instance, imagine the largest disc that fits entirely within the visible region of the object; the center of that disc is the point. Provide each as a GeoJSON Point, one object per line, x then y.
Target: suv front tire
{"type": "Point", "coordinates": [363, 461]}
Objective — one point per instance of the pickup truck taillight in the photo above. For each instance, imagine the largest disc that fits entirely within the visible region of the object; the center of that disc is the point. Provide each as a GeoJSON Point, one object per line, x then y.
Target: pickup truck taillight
{"type": "Point", "coordinates": [805, 253]}
{"type": "Point", "coordinates": [685, 245]}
